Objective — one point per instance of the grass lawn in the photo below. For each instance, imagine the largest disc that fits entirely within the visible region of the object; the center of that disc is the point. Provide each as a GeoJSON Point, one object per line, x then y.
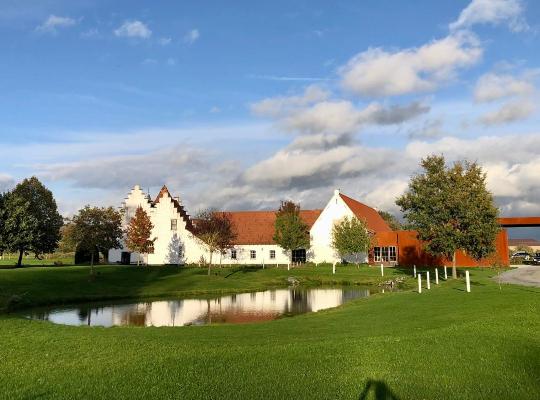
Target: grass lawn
{"type": "Point", "coordinates": [444, 343]}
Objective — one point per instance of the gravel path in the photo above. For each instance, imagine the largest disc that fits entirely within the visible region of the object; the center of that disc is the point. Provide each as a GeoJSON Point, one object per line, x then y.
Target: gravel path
{"type": "Point", "coordinates": [528, 275]}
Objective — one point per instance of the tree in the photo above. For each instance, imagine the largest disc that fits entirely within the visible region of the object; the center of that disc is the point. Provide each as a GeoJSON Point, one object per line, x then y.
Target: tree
{"type": "Point", "coordinates": [31, 219]}
{"type": "Point", "coordinates": [138, 233]}
{"type": "Point", "coordinates": [96, 229]}
{"type": "Point", "coordinates": [351, 236]}
{"type": "Point", "coordinates": [215, 229]}
{"type": "Point", "coordinates": [391, 220]}
{"type": "Point", "coordinates": [3, 216]}
{"type": "Point", "coordinates": [290, 232]}
{"type": "Point", "coordinates": [451, 209]}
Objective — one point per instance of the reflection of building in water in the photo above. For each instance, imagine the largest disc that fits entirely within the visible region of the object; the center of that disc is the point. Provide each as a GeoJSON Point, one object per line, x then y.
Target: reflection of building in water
{"type": "Point", "coordinates": [237, 308]}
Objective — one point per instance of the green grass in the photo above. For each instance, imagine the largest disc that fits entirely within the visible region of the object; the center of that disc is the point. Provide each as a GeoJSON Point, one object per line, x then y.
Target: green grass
{"type": "Point", "coordinates": [444, 343]}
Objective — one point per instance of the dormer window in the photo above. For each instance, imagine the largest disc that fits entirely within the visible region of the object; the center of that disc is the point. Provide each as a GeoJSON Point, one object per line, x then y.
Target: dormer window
{"type": "Point", "coordinates": [174, 224]}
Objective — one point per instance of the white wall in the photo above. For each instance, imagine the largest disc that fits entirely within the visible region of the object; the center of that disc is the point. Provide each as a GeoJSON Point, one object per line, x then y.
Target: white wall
{"type": "Point", "coordinates": [321, 231]}
{"type": "Point", "coordinates": [180, 246]}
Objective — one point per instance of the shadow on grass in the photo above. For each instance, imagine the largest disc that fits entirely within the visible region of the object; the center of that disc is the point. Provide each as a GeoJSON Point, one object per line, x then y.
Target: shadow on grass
{"type": "Point", "coordinates": [244, 270]}
{"type": "Point", "coordinates": [379, 391]}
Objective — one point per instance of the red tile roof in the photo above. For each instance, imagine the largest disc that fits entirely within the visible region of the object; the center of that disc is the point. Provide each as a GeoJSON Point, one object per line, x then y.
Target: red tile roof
{"type": "Point", "coordinates": [523, 242]}
{"type": "Point", "coordinates": [257, 227]}
{"type": "Point", "coordinates": [374, 221]}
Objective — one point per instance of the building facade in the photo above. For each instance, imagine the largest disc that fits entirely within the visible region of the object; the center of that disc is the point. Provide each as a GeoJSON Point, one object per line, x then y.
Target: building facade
{"type": "Point", "coordinates": [175, 242]}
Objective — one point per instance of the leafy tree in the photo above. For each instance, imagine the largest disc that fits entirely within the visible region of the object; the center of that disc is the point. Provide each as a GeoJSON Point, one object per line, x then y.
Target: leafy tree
{"type": "Point", "coordinates": [351, 236]}
{"type": "Point", "coordinates": [290, 232]}
{"type": "Point", "coordinates": [391, 220]}
{"type": "Point", "coordinates": [525, 248]}
{"type": "Point", "coordinates": [31, 219]}
{"type": "Point", "coordinates": [216, 231]}
{"type": "Point", "coordinates": [451, 209]}
{"type": "Point", "coordinates": [96, 229]}
{"type": "Point", "coordinates": [138, 233]}
{"type": "Point", "coordinates": [3, 216]}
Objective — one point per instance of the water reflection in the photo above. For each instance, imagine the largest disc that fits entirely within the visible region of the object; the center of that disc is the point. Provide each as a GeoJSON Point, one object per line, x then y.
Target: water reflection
{"type": "Point", "coordinates": [237, 308]}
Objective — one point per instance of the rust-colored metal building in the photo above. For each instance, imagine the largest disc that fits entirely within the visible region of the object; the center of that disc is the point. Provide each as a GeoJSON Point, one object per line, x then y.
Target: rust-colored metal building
{"type": "Point", "coordinates": [404, 248]}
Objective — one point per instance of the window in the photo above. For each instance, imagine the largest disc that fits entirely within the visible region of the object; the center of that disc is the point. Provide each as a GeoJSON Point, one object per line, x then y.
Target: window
{"type": "Point", "coordinates": [385, 254]}
{"type": "Point", "coordinates": [233, 254]}
{"type": "Point", "coordinates": [174, 224]}
{"type": "Point", "coordinates": [272, 254]}
{"type": "Point", "coordinates": [252, 254]}
{"type": "Point", "coordinates": [299, 256]}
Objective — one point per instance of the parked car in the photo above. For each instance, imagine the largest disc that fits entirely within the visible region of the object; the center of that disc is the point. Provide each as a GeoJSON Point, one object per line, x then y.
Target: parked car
{"type": "Point", "coordinates": [536, 259]}
{"type": "Point", "coordinates": [521, 254]}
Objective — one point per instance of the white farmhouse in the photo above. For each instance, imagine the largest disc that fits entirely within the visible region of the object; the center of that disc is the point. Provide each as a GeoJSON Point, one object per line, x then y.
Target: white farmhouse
{"type": "Point", "coordinates": [176, 244]}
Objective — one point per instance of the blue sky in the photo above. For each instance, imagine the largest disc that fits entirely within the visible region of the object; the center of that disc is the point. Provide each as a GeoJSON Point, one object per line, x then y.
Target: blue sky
{"type": "Point", "coordinates": [239, 105]}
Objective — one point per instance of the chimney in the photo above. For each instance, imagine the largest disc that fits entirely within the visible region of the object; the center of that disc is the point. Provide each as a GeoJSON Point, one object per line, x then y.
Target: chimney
{"type": "Point", "coordinates": [337, 192]}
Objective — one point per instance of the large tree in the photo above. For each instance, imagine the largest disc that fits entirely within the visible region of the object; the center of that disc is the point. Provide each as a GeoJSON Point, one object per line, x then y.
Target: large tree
{"type": "Point", "coordinates": [391, 220]}
{"type": "Point", "coordinates": [451, 209]}
{"type": "Point", "coordinates": [138, 233]}
{"type": "Point", "coordinates": [351, 236]}
{"type": "Point", "coordinates": [290, 231]}
{"type": "Point", "coordinates": [31, 219]}
{"type": "Point", "coordinates": [96, 229]}
{"type": "Point", "coordinates": [216, 231]}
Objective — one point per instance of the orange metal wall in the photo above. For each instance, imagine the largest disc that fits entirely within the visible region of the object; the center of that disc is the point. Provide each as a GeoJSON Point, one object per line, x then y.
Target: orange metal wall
{"type": "Point", "coordinates": [410, 250]}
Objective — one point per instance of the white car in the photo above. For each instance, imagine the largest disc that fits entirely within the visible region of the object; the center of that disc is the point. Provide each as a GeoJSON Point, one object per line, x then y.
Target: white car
{"type": "Point", "coordinates": [521, 254]}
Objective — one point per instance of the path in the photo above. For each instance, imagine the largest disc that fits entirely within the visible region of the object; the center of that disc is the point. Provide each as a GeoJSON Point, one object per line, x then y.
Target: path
{"type": "Point", "coordinates": [528, 275]}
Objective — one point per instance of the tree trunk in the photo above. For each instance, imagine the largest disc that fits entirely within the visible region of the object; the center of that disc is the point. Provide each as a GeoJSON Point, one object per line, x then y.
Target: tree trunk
{"type": "Point", "coordinates": [19, 262]}
{"type": "Point", "coordinates": [210, 263]}
{"type": "Point", "coordinates": [92, 263]}
{"type": "Point", "coordinates": [454, 270]}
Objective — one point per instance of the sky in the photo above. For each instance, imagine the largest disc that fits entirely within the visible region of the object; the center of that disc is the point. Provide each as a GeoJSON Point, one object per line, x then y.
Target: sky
{"type": "Point", "coordinates": [238, 105]}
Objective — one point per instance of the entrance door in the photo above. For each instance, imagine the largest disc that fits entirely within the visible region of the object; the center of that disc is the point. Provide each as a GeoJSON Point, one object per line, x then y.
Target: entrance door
{"type": "Point", "coordinates": [299, 256]}
{"type": "Point", "coordinates": [125, 258]}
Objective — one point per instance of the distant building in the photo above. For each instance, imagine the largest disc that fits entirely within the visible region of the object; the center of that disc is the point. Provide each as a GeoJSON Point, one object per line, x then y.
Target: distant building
{"type": "Point", "coordinates": [176, 244]}
{"type": "Point", "coordinates": [534, 244]}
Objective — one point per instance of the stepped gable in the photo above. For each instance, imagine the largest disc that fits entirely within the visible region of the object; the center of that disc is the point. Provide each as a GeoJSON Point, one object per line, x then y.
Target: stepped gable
{"type": "Point", "coordinates": [373, 219]}
{"type": "Point", "coordinates": [179, 207]}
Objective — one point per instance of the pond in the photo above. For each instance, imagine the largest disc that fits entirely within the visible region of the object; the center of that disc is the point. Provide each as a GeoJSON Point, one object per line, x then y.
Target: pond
{"type": "Point", "coordinates": [235, 308]}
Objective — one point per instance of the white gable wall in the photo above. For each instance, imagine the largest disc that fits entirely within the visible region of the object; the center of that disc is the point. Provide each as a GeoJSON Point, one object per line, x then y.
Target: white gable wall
{"type": "Point", "coordinates": [321, 231]}
{"type": "Point", "coordinates": [181, 246]}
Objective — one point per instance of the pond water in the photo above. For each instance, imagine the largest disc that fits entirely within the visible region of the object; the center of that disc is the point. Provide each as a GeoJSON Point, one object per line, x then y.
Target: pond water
{"type": "Point", "coordinates": [235, 308]}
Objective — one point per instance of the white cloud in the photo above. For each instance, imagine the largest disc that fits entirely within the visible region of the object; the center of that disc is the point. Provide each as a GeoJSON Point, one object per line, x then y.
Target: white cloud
{"type": "Point", "coordinates": [6, 182]}
{"type": "Point", "coordinates": [492, 12]}
{"type": "Point", "coordinates": [133, 29]}
{"type": "Point", "coordinates": [511, 111]}
{"type": "Point", "coordinates": [429, 129]}
{"type": "Point", "coordinates": [377, 72]}
{"type": "Point", "coordinates": [54, 22]}
{"type": "Point", "coordinates": [165, 41]}
{"type": "Point", "coordinates": [493, 86]}
{"type": "Point", "coordinates": [192, 36]}
{"type": "Point", "coordinates": [276, 106]}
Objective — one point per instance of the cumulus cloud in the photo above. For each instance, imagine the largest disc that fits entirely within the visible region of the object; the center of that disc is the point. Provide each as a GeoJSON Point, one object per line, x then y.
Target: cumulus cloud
{"type": "Point", "coordinates": [175, 165]}
{"type": "Point", "coordinates": [192, 36]}
{"type": "Point", "coordinates": [379, 72]}
{"type": "Point", "coordinates": [494, 86]}
{"type": "Point", "coordinates": [428, 129]}
{"type": "Point", "coordinates": [6, 182]}
{"type": "Point", "coordinates": [54, 22]}
{"type": "Point", "coordinates": [133, 29]}
{"type": "Point", "coordinates": [509, 112]}
{"type": "Point", "coordinates": [276, 106]}
{"type": "Point", "coordinates": [494, 12]}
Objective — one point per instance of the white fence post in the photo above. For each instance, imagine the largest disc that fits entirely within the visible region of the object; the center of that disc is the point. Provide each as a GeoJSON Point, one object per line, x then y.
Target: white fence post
{"type": "Point", "coordinates": [436, 276]}
{"type": "Point", "coordinates": [288, 266]}
{"type": "Point", "coordinates": [445, 274]}
{"type": "Point", "coordinates": [414, 270]}
{"type": "Point", "coordinates": [334, 268]}
{"type": "Point", "coordinates": [382, 269]}
{"type": "Point", "coordinates": [468, 281]}
{"type": "Point", "coordinates": [419, 283]}
{"type": "Point", "coordinates": [427, 280]}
